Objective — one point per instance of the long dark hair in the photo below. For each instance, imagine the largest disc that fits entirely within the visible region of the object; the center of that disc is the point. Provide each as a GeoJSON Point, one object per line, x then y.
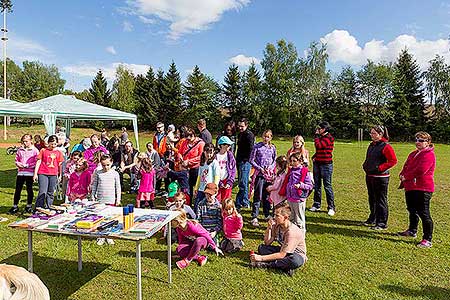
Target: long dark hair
{"type": "Point", "coordinates": [208, 148]}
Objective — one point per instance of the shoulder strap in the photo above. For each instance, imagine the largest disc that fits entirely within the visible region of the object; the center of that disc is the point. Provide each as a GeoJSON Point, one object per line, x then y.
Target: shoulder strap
{"type": "Point", "coordinates": [189, 149]}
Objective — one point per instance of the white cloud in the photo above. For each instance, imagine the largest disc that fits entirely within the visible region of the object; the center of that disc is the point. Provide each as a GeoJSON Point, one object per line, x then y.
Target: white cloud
{"type": "Point", "coordinates": [146, 20]}
{"type": "Point", "coordinates": [110, 49]}
{"type": "Point", "coordinates": [185, 16]}
{"type": "Point", "coordinates": [109, 70]}
{"type": "Point", "coordinates": [242, 60]}
{"type": "Point", "coordinates": [25, 49]}
{"type": "Point", "coordinates": [343, 47]}
{"type": "Point", "coordinates": [127, 26]}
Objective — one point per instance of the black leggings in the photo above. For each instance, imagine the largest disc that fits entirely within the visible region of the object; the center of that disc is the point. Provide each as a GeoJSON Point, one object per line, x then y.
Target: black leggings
{"type": "Point", "coordinates": [418, 205]}
{"type": "Point", "coordinates": [20, 180]}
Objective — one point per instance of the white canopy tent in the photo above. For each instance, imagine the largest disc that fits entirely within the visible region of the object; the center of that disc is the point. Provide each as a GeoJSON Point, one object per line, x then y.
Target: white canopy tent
{"type": "Point", "coordinates": [67, 108]}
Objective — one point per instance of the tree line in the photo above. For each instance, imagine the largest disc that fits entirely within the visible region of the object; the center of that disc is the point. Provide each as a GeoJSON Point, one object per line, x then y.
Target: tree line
{"type": "Point", "coordinates": [289, 93]}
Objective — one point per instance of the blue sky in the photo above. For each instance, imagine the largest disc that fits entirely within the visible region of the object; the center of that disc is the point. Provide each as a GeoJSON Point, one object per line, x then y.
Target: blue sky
{"type": "Point", "coordinates": [81, 36]}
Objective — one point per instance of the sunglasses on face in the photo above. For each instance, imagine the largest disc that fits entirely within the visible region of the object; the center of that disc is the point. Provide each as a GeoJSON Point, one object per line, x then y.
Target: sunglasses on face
{"type": "Point", "coordinates": [421, 140]}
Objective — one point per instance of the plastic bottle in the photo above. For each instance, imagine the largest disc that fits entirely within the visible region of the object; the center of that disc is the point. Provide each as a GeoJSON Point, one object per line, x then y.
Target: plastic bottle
{"type": "Point", "coordinates": [126, 218]}
{"type": "Point", "coordinates": [131, 214]}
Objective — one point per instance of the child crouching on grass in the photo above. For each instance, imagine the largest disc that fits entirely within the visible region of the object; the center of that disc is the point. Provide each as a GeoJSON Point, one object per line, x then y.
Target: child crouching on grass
{"type": "Point", "coordinates": [232, 225]}
{"type": "Point", "coordinates": [179, 202]}
{"type": "Point", "coordinates": [209, 211]}
{"type": "Point", "coordinates": [192, 237]}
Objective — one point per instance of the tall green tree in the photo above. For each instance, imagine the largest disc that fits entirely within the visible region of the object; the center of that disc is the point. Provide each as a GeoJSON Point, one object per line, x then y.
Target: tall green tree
{"type": "Point", "coordinates": [171, 94]}
{"type": "Point", "coordinates": [232, 92]}
{"type": "Point", "coordinates": [40, 81]}
{"type": "Point", "coordinates": [375, 83]}
{"type": "Point", "coordinates": [99, 92]}
{"type": "Point", "coordinates": [280, 65]}
{"type": "Point", "coordinates": [14, 77]}
{"type": "Point", "coordinates": [198, 97]}
{"type": "Point", "coordinates": [250, 106]}
{"type": "Point", "coordinates": [407, 103]}
{"type": "Point", "coordinates": [123, 90]}
{"type": "Point", "coordinates": [147, 100]}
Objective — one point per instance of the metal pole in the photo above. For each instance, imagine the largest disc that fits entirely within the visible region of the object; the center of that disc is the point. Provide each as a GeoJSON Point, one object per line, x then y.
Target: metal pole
{"type": "Point", "coordinates": [169, 251]}
{"type": "Point", "coordinates": [30, 251]}
{"type": "Point", "coordinates": [4, 68]}
{"type": "Point", "coordinates": [138, 270]}
{"type": "Point", "coordinates": [80, 255]}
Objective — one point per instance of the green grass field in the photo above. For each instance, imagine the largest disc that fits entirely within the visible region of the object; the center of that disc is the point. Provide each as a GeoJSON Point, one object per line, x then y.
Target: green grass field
{"type": "Point", "coordinates": [346, 260]}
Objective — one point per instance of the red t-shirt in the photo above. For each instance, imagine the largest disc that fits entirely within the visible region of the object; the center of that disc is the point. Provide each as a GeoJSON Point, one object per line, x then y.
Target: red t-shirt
{"type": "Point", "coordinates": [50, 161]}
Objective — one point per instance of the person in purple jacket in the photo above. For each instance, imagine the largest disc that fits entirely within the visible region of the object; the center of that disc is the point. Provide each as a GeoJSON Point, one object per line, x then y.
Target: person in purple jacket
{"type": "Point", "coordinates": [192, 238]}
{"type": "Point", "coordinates": [227, 165]}
{"type": "Point", "coordinates": [26, 158]}
{"type": "Point", "coordinates": [262, 159]}
{"type": "Point", "coordinates": [89, 153]}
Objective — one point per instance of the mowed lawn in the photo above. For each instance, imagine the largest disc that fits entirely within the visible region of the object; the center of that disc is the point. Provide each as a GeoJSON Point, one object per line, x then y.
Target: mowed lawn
{"type": "Point", "coordinates": [346, 260]}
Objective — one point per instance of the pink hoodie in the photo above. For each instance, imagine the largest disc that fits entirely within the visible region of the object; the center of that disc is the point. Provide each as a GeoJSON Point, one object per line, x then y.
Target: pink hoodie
{"type": "Point", "coordinates": [232, 225]}
{"type": "Point", "coordinates": [419, 170]}
{"type": "Point", "coordinates": [28, 158]}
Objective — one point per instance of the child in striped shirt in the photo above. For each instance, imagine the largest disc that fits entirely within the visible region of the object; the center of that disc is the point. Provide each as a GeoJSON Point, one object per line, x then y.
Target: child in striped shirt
{"type": "Point", "coordinates": [106, 183]}
{"type": "Point", "coordinates": [209, 211]}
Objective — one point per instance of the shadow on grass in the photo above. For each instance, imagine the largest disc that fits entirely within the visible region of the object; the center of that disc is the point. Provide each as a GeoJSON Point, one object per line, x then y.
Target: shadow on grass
{"type": "Point", "coordinates": [426, 291]}
{"type": "Point", "coordinates": [60, 276]}
{"type": "Point", "coordinates": [8, 178]}
{"type": "Point", "coordinates": [328, 220]}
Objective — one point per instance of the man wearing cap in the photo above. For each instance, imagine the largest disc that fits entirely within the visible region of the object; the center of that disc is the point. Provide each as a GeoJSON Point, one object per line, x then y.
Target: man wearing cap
{"type": "Point", "coordinates": [245, 143]}
{"type": "Point", "coordinates": [227, 169]}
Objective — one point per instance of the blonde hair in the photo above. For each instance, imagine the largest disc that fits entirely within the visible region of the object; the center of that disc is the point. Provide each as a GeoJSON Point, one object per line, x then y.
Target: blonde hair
{"type": "Point", "coordinates": [266, 132]}
{"type": "Point", "coordinates": [227, 204]}
{"type": "Point", "coordinates": [182, 217]}
{"type": "Point", "coordinates": [424, 135]}
{"type": "Point", "coordinates": [284, 210]}
{"type": "Point", "coordinates": [28, 285]}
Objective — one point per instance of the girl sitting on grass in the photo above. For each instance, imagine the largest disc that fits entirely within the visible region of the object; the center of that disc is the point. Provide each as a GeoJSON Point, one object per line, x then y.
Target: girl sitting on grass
{"type": "Point", "coordinates": [192, 238]}
{"type": "Point", "coordinates": [232, 225]}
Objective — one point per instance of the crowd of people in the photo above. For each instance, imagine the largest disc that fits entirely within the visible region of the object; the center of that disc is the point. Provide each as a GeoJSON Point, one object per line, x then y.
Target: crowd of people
{"type": "Point", "coordinates": [196, 177]}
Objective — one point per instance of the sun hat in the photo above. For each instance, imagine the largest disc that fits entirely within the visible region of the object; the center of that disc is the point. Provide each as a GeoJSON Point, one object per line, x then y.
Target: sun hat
{"type": "Point", "coordinates": [211, 188]}
{"type": "Point", "coordinates": [224, 140]}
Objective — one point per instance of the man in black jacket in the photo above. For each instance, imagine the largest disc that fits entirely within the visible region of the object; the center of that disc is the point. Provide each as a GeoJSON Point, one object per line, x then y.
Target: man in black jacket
{"type": "Point", "coordinates": [245, 143]}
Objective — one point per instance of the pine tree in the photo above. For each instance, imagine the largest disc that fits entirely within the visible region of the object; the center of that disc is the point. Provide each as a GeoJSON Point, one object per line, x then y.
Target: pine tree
{"type": "Point", "coordinates": [249, 106]}
{"type": "Point", "coordinates": [146, 98]}
{"type": "Point", "coordinates": [171, 95]}
{"type": "Point", "coordinates": [99, 92]}
{"type": "Point", "coordinates": [198, 97]}
{"type": "Point", "coordinates": [407, 103]}
{"type": "Point", "coordinates": [232, 91]}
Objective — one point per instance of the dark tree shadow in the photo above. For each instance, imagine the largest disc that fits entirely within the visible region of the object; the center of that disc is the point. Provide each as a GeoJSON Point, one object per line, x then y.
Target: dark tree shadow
{"type": "Point", "coordinates": [60, 276]}
{"type": "Point", "coordinates": [8, 178]}
{"type": "Point", "coordinates": [325, 220]}
{"type": "Point", "coordinates": [426, 291]}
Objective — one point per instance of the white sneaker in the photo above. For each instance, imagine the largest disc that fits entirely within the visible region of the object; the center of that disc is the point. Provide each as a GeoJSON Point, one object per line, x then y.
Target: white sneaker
{"type": "Point", "coordinates": [254, 222]}
{"type": "Point", "coordinates": [100, 241]}
{"type": "Point", "coordinates": [110, 241]}
{"type": "Point", "coordinates": [314, 209]}
{"type": "Point", "coordinates": [331, 212]}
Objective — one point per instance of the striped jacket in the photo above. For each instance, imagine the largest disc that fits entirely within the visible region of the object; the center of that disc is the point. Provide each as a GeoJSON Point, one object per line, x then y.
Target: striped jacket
{"type": "Point", "coordinates": [324, 149]}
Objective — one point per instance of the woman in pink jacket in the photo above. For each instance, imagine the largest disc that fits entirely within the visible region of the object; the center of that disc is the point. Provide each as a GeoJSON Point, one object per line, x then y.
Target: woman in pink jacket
{"type": "Point", "coordinates": [417, 178]}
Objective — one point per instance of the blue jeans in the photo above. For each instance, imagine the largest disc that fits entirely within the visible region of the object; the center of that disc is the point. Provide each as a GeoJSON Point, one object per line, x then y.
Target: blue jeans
{"type": "Point", "coordinates": [261, 195]}
{"type": "Point", "coordinates": [323, 172]}
{"type": "Point", "coordinates": [243, 174]}
{"type": "Point", "coordinates": [47, 186]}
{"type": "Point", "coordinates": [290, 261]}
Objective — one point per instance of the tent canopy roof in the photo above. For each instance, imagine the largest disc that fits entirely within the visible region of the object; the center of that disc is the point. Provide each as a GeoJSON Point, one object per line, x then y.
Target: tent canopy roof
{"type": "Point", "coordinates": [14, 108]}
{"type": "Point", "coordinates": [69, 107]}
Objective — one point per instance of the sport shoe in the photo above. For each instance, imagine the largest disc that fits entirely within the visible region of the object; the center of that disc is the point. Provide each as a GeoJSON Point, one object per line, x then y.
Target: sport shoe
{"type": "Point", "coordinates": [314, 209]}
{"type": "Point", "coordinates": [181, 264]}
{"type": "Point", "coordinates": [290, 272]}
{"type": "Point", "coordinates": [424, 244]}
{"type": "Point", "coordinates": [407, 233]}
{"type": "Point", "coordinates": [368, 224]}
{"type": "Point", "coordinates": [202, 260]}
{"type": "Point", "coordinates": [254, 222]}
{"type": "Point", "coordinates": [378, 228]}
{"type": "Point", "coordinates": [110, 241]}
{"type": "Point", "coordinates": [331, 212]}
{"type": "Point", "coordinates": [28, 209]}
{"type": "Point", "coordinates": [101, 241]}
{"type": "Point", "coordinates": [13, 210]}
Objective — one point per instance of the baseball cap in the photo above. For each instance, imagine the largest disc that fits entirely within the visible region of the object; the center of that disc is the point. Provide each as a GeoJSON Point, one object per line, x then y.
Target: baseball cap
{"type": "Point", "coordinates": [224, 140]}
{"type": "Point", "coordinates": [173, 189]}
{"type": "Point", "coordinates": [211, 188]}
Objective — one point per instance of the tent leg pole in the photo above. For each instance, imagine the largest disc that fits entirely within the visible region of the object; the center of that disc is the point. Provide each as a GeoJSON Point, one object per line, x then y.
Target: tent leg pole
{"type": "Point", "coordinates": [4, 128]}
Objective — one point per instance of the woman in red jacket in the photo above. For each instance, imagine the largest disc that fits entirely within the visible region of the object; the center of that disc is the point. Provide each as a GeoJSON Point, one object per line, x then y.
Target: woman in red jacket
{"type": "Point", "coordinates": [380, 158]}
{"type": "Point", "coordinates": [417, 178]}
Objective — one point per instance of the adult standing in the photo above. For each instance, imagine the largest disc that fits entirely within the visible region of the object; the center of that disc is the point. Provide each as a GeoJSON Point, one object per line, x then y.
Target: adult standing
{"type": "Point", "coordinates": [160, 145]}
{"type": "Point", "coordinates": [127, 162]}
{"type": "Point", "coordinates": [191, 151]}
{"type": "Point", "coordinates": [417, 178]}
{"type": "Point", "coordinates": [115, 150]}
{"type": "Point", "coordinates": [380, 158]}
{"type": "Point", "coordinates": [292, 252]}
{"type": "Point", "coordinates": [262, 159]}
{"type": "Point", "coordinates": [245, 142]}
{"type": "Point", "coordinates": [172, 138]}
{"type": "Point", "coordinates": [205, 135]}
{"type": "Point", "coordinates": [124, 136]}
{"type": "Point", "coordinates": [323, 168]}
{"type": "Point", "coordinates": [89, 153]}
